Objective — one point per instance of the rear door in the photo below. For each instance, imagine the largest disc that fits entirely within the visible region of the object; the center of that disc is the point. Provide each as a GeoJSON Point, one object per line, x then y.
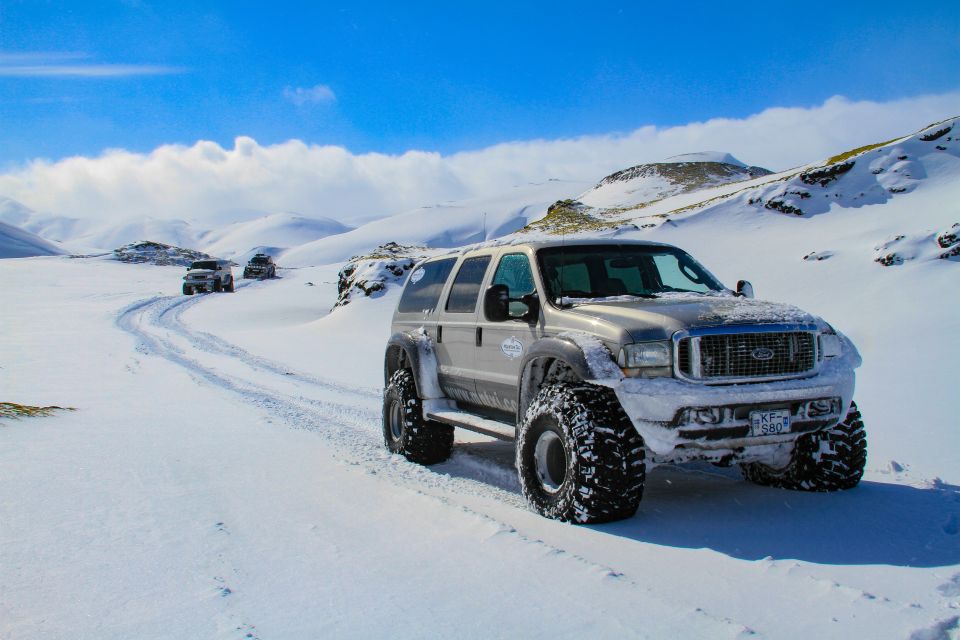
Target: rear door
{"type": "Point", "coordinates": [456, 333]}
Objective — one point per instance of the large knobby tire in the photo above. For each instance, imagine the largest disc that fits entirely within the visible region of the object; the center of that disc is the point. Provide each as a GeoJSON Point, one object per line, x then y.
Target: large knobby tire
{"type": "Point", "coordinates": [187, 290]}
{"type": "Point", "coordinates": [404, 429]}
{"type": "Point", "coordinates": [829, 460]}
{"type": "Point", "coordinates": [578, 456]}
{"type": "Point", "coordinates": [217, 286]}
{"type": "Point", "coordinates": [229, 287]}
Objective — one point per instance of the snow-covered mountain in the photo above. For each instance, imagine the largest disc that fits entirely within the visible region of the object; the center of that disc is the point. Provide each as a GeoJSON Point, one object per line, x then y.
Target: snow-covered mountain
{"type": "Point", "coordinates": [19, 243]}
{"type": "Point", "coordinates": [646, 183]}
{"type": "Point", "coordinates": [448, 224]}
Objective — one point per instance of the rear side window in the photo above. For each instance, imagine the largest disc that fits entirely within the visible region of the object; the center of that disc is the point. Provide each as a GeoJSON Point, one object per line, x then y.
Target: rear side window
{"type": "Point", "coordinates": [466, 286]}
{"type": "Point", "coordinates": [424, 286]}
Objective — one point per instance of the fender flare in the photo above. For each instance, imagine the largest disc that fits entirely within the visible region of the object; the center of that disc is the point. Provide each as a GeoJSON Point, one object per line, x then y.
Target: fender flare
{"type": "Point", "coordinates": [414, 351]}
{"type": "Point", "coordinates": [562, 348]}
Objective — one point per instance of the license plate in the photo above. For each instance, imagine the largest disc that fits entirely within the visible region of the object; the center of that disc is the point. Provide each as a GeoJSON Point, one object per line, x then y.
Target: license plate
{"type": "Point", "coordinates": [769, 423]}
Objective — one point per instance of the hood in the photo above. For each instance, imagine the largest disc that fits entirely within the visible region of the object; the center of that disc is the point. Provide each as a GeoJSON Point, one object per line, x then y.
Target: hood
{"type": "Point", "coordinates": [660, 318]}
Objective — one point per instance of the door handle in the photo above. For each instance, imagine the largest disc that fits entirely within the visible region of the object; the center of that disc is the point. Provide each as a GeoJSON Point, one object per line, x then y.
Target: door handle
{"type": "Point", "coordinates": [479, 336]}
{"type": "Point", "coordinates": [439, 333]}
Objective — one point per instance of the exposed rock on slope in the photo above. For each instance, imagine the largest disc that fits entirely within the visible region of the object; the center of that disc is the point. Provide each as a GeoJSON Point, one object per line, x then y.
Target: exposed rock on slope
{"type": "Point", "coordinates": [157, 253]}
{"type": "Point", "coordinates": [370, 274]}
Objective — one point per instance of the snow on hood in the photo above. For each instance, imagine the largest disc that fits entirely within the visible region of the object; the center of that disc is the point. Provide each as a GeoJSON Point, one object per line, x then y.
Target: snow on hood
{"type": "Point", "coordinates": [660, 318]}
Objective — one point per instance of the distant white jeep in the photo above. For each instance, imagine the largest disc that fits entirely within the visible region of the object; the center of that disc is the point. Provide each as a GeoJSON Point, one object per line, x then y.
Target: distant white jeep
{"type": "Point", "coordinates": [208, 275]}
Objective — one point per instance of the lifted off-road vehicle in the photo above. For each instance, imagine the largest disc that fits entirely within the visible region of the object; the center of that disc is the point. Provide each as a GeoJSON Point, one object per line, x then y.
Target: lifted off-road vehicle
{"type": "Point", "coordinates": [261, 267]}
{"type": "Point", "coordinates": [208, 275]}
{"type": "Point", "coordinates": [599, 358]}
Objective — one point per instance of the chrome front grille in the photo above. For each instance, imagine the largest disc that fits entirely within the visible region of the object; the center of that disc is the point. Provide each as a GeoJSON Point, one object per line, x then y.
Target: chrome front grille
{"type": "Point", "coordinates": [750, 354]}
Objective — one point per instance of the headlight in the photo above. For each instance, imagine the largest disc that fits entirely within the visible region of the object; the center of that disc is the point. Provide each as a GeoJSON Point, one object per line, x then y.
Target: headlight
{"type": "Point", "coordinates": [645, 354]}
{"type": "Point", "coordinates": [830, 345]}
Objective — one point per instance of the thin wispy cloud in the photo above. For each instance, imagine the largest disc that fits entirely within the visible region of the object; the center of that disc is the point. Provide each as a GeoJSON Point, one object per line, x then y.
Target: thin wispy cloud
{"type": "Point", "coordinates": [70, 64]}
{"type": "Point", "coordinates": [318, 94]}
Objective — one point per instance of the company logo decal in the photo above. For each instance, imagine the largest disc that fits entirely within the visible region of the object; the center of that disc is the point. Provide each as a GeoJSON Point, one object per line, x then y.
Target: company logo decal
{"type": "Point", "coordinates": [762, 353]}
{"type": "Point", "coordinates": [511, 347]}
{"type": "Point", "coordinates": [416, 276]}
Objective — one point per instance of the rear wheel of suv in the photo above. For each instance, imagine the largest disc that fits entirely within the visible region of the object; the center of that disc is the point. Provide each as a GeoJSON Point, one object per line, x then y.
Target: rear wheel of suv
{"type": "Point", "coordinates": [579, 457]}
{"type": "Point", "coordinates": [404, 429]}
{"type": "Point", "coordinates": [828, 460]}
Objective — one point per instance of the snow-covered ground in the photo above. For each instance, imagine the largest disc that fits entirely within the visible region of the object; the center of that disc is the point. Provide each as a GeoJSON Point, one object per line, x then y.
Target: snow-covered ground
{"type": "Point", "coordinates": [224, 476]}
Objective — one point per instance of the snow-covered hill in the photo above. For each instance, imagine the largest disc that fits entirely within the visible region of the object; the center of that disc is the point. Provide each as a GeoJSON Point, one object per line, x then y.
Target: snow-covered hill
{"type": "Point", "coordinates": [19, 243]}
{"type": "Point", "coordinates": [449, 224]}
{"type": "Point", "coordinates": [647, 183]}
{"type": "Point", "coordinates": [272, 234]}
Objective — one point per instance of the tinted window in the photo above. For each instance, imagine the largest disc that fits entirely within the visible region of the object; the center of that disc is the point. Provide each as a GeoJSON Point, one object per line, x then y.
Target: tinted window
{"type": "Point", "coordinates": [613, 270]}
{"type": "Point", "coordinates": [424, 286]}
{"type": "Point", "coordinates": [466, 286]}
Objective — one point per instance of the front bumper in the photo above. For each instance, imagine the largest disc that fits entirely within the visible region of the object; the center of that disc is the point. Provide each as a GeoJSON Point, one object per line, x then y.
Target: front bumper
{"type": "Point", "coordinates": [200, 283]}
{"type": "Point", "coordinates": [668, 413]}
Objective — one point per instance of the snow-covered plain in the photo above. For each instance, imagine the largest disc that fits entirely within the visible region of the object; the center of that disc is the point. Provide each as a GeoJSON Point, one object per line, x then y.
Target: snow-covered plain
{"type": "Point", "coordinates": [224, 474]}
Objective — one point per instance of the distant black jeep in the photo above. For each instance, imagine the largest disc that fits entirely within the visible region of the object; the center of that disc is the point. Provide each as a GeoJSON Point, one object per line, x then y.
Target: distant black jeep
{"type": "Point", "coordinates": [261, 267]}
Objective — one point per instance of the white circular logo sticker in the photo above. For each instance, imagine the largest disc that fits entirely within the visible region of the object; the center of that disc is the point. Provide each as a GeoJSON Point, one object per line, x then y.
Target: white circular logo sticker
{"type": "Point", "coordinates": [416, 276]}
{"type": "Point", "coordinates": [511, 347]}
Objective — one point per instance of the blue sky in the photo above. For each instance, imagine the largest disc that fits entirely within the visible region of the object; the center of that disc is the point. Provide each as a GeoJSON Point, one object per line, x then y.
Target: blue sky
{"type": "Point", "coordinates": [79, 77]}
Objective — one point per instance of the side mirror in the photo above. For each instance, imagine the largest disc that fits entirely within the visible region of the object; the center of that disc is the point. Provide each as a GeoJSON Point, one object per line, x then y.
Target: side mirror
{"type": "Point", "coordinates": [219, 268]}
{"type": "Point", "coordinates": [532, 300]}
{"type": "Point", "coordinates": [744, 289]}
{"type": "Point", "coordinates": [496, 303]}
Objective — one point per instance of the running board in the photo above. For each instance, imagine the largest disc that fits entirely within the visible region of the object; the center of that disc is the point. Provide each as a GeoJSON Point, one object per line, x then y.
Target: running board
{"type": "Point", "coordinates": [470, 422]}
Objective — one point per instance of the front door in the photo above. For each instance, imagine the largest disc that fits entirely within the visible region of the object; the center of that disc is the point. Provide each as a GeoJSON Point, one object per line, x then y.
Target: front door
{"type": "Point", "coordinates": [505, 343]}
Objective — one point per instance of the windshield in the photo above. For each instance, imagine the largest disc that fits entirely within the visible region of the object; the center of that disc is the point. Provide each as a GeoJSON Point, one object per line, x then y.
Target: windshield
{"type": "Point", "coordinates": [204, 264]}
{"type": "Point", "coordinates": [260, 260]}
{"type": "Point", "coordinates": [584, 272]}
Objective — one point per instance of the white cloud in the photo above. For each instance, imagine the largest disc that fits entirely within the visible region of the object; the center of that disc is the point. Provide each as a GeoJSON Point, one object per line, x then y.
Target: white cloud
{"type": "Point", "coordinates": [319, 94]}
{"type": "Point", "coordinates": [203, 180]}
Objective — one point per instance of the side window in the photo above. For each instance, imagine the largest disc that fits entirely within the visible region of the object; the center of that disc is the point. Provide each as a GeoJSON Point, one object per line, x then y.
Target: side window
{"type": "Point", "coordinates": [466, 286]}
{"type": "Point", "coordinates": [514, 271]}
{"type": "Point", "coordinates": [424, 286]}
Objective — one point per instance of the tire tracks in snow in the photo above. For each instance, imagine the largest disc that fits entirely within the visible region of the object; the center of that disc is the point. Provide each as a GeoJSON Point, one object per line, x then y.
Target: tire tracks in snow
{"type": "Point", "coordinates": [351, 424]}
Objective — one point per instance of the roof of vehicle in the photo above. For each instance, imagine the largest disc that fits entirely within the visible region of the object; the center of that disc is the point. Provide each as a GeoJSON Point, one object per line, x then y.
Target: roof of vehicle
{"type": "Point", "coordinates": [544, 243]}
{"type": "Point", "coordinates": [217, 260]}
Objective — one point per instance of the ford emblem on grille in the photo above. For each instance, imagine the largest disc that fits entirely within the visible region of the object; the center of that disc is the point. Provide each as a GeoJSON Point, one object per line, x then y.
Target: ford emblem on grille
{"type": "Point", "coordinates": [762, 353]}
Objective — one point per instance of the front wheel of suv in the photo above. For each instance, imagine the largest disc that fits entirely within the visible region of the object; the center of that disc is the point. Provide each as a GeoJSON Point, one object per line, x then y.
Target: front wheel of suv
{"type": "Point", "coordinates": [578, 456]}
{"type": "Point", "coordinates": [404, 429]}
{"type": "Point", "coordinates": [827, 460]}
{"type": "Point", "coordinates": [187, 290]}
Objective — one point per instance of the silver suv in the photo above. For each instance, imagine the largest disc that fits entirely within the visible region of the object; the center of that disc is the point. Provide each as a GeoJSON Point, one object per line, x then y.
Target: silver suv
{"type": "Point", "coordinates": [600, 358]}
{"type": "Point", "coordinates": [208, 275]}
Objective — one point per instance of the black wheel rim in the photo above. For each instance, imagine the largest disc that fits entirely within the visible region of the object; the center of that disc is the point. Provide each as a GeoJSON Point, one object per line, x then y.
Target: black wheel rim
{"type": "Point", "coordinates": [550, 461]}
{"type": "Point", "coordinates": [396, 420]}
